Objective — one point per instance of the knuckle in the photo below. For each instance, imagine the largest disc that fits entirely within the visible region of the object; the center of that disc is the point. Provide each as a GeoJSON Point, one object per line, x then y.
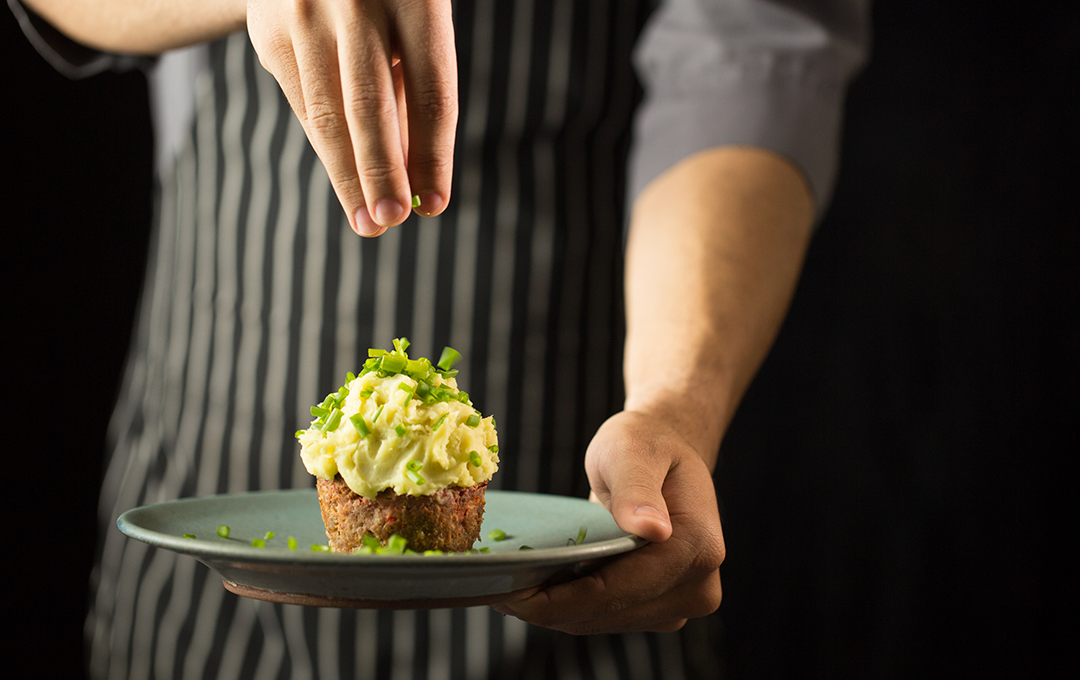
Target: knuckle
{"type": "Point", "coordinates": [435, 103]}
{"type": "Point", "coordinates": [375, 171]}
{"type": "Point", "coordinates": [435, 163]}
{"type": "Point", "coordinates": [370, 102]}
{"type": "Point", "coordinates": [323, 118]}
{"type": "Point", "coordinates": [710, 554]}
{"type": "Point", "coordinates": [710, 599]}
{"type": "Point", "coordinates": [301, 9]}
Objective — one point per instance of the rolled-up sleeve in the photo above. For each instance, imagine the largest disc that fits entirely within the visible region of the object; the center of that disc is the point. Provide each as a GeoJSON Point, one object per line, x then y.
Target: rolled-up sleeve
{"type": "Point", "coordinates": [771, 74]}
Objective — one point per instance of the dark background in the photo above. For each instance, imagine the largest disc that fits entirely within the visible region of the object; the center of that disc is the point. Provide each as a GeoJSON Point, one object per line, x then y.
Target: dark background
{"type": "Point", "coordinates": [894, 487]}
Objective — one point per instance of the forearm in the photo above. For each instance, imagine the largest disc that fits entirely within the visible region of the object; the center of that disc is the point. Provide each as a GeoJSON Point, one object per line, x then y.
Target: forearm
{"type": "Point", "coordinates": [142, 26]}
{"type": "Point", "coordinates": [715, 249]}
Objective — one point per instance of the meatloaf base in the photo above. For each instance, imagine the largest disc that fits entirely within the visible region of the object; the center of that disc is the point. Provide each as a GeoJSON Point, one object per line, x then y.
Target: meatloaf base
{"type": "Point", "coordinates": [447, 520]}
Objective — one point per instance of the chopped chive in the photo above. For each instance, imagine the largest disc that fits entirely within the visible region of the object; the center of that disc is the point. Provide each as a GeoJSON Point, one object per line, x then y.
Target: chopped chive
{"type": "Point", "coordinates": [450, 356]}
{"type": "Point", "coordinates": [377, 414]}
{"type": "Point", "coordinates": [400, 345]}
{"type": "Point", "coordinates": [497, 535]}
{"type": "Point", "coordinates": [526, 547]}
{"type": "Point", "coordinates": [439, 422]}
{"type": "Point", "coordinates": [315, 547]}
{"type": "Point", "coordinates": [223, 531]}
{"type": "Point", "coordinates": [292, 543]}
{"type": "Point", "coordinates": [433, 552]}
{"type": "Point", "coordinates": [268, 536]}
{"type": "Point", "coordinates": [188, 536]}
{"type": "Point", "coordinates": [485, 549]}
{"type": "Point", "coordinates": [416, 200]}
{"type": "Point", "coordinates": [473, 420]}
{"type": "Point", "coordinates": [334, 421]}
{"type": "Point", "coordinates": [298, 433]}
{"type": "Point", "coordinates": [418, 368]}
{"type": "Point", "coordinates": [415, 477]}
{"type": "Point", "coordinates": [258, 543]}
{"type": "Point", "coordinates": [474, 458]}
{"type": "Point", "coordinates": [370, 541]}
{"type": "Point", "coordinates": [400, 429]}
{"type": "Point", "coordinates": [350, 376]}
{"type": "Point", "coordinates": [581, 535]}
{"type": "Point", "coordinates": [365, 393]}
{"type": "Point", "coordinates": [319, 411]}
{"type": "Point", "coordinates": [395, 545]}
{"type": "Point", "coordinates": [358, 423]}
{"type": "Point", "coordinates": [494, 448]}
{"type": "Point", "coordinates": [376, 352]}
{"type": "Point", "coordinates": [392, 363]}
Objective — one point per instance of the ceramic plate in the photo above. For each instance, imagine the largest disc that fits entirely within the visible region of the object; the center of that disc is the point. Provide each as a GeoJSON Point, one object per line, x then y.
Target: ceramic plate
{"type": "Point", "coordinates": [549, 525]}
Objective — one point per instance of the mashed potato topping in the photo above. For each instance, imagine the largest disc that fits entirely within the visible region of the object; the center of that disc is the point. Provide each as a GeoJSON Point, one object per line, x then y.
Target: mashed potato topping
{"type": "Point", "coordinates": [402, 425]}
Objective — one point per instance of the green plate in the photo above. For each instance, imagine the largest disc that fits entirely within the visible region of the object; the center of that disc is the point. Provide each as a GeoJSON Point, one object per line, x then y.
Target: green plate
{"type": "Point", "coordinates": [548, 524]}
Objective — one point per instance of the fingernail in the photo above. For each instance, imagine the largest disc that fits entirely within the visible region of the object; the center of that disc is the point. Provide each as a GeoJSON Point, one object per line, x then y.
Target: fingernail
{"type": "Point", "coordinates": [430, 204]}
{"type": "Point", "coordinates": [649, 511]}
{"type": "Point", "coordinates": [366, 226]}
{"type": "Point", "coordinates": [387, 212]}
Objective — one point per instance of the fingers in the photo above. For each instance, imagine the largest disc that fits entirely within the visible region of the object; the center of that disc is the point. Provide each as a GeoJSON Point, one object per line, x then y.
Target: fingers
{"type": "Point", "coordinates": [429, 60]}
{"type": "Point", "coordinates": [631, 594]}
{"type": "Point", "coordinates": [374, 83]}
{"type": "Point", "coordinates": [371, 110]}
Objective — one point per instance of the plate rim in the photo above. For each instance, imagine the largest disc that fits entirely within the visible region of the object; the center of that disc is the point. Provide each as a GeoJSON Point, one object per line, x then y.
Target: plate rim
{"type": "Point", "coordinates": [208, 549]}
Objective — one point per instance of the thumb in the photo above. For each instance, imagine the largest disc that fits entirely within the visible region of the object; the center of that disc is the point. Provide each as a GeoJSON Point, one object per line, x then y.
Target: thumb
{"type": "Point", "coordinates": [627, 477]}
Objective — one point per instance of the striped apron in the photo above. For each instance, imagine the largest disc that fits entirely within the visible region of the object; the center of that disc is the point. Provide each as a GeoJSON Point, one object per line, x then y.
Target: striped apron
{"type": "Point", "coordinates": [259, 298]}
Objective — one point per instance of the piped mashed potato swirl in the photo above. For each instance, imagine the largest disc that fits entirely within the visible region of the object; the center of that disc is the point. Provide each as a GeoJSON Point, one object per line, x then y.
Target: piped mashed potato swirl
{"type": "Point", "coordinates": [403, 425]}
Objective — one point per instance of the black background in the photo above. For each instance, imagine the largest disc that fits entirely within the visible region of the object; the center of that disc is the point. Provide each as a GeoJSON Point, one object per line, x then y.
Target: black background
{"type": "Point", "coordinates": [894, 487]}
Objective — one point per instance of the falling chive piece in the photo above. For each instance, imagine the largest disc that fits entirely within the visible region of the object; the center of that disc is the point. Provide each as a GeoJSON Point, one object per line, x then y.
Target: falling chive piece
{"type": "Point", "coordinates": [416, 200]}
{"type": "Point", "coordinates": [292, 543]}
{"type": "Point", "coordinates": [268, 536]}
{"type": "Point", "coordinates": [223, 531]}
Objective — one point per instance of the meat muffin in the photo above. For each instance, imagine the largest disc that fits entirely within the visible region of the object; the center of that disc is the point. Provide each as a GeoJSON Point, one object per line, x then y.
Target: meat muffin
{"type": "Point", "coordinates": [401, 450]}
